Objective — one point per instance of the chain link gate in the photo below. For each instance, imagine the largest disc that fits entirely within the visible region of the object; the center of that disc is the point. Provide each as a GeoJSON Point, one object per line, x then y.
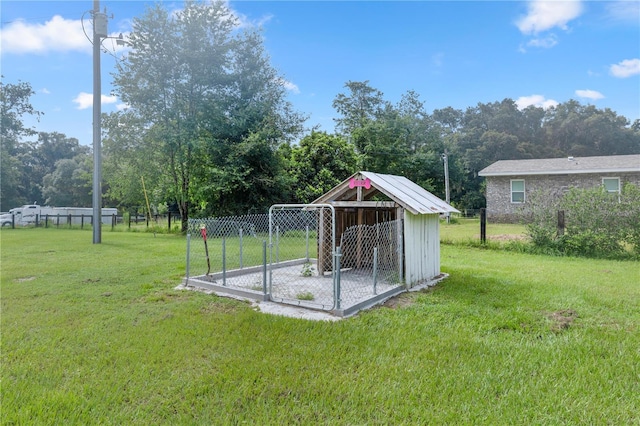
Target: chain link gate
{"type": "Point", "coordinates": [301, 255]}
{"type": "Point", "coordinates": [370, 261]}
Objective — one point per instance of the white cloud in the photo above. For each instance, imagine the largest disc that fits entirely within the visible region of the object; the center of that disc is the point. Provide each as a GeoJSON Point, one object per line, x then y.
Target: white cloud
{"type": "Point", "coordinates": [624, 11]}
{"type": "Point", "coordinates": [626, 68]}
{"type": "Point", "coordinates": [589, 94]}
{"type": "Point", "coordinates": [536, 100]}
{"type": "Point", "coordinates": [121, 107]}
{"type": "Point", "coordinates": [289, 86]}
{"type": "Point", "coordinates": [544, 15]}
{"type": "Point", "coordinates": [437, 59]}
{"type": "Point", "coordinates": [85, 100]}
{"type": "Point", "coordinates": [544, 42]}
{"type": "Point", "coordinates": [57, 34]}
{"type": "Point", "coordinates": [45, 91]}
{"type": "Point", "coordinates": [245, 22]}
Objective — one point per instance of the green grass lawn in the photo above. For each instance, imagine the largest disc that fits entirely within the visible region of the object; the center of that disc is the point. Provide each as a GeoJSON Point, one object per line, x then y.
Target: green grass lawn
{"type": "Point", "coordinates": [464, 230]}
{"type": "Point", "coordinates": [96, 334]}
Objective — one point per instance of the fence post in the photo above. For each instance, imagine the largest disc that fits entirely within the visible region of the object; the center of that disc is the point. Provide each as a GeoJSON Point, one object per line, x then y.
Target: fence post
{"type": "Point", "coordinates": [483, 225]}
{"type": "Point", "coordinates": [400, 242]}
{"type": "Point", "coordinates": [240, 235]}
{"type": "Point", "coordinates": [113, 221]}
{"type": "Point", "coordinates": [186, 281]}
{"type": "Point", "coordinates": [264, 266]}
{"type": "Point", "coordinates": [58, 220]}
{"type": "Point", "coordinates": [337, 278]}
{"type": "Point", "coordinates": [560, 223]}
{"type": "Point", "coordinates": [375, 269]}
{"type": "Point", "coordinates": [169, 220]}
{"type": "Point", "coordinates": [46, 221]}
{"type": "Point", "coordinates": [307, 242]}
{"type": "Point", "coordinates": [278, 244]}
{"type": "Point", "coordinates": [224, 261]}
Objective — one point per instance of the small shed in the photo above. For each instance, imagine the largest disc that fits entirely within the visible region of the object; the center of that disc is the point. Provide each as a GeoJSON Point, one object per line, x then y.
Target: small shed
{"type": "Point", "coordinates": [367, 198]}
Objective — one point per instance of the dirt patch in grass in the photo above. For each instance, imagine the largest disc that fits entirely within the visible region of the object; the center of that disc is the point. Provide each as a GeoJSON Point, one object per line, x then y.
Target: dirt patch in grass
{"type": "Point", "coordinates": [562, 319]}
{"type": "Point", "coordinates": [400, 301]}
{"type": "Point", "coordinates": [25, 279]}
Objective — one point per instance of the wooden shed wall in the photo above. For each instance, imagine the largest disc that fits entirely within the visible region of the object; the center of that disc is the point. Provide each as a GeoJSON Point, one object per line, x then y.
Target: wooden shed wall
{"type": "Point", "coordinates": [421, 247]}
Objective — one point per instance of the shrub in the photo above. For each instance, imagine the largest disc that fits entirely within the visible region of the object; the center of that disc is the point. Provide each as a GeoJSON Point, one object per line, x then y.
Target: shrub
{"type": "Point", "coordinates": [598, 223]}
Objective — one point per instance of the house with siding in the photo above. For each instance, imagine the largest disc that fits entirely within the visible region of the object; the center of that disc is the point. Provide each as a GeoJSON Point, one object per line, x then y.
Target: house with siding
{"type": "Point", "coordinates": [510, 182]}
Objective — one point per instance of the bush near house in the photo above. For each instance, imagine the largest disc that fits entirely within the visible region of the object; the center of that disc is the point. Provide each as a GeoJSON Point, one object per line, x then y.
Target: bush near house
{"type": "Point", "coordinates": [597, 223]}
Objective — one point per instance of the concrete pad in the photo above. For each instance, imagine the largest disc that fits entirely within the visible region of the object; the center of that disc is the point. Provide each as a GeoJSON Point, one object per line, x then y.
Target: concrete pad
{"type": "Point", "coordinates": [272, 307]}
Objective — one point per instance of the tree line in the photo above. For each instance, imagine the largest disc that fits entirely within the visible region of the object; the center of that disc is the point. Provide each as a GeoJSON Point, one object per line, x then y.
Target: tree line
{"type": "Point", "coordinates": [209, 131]}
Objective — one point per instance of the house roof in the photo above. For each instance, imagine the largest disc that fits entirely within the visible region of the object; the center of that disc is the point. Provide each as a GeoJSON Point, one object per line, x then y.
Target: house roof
{"type": "Point", "coordinates": [401, 190]}
{"type": "Point", "coordinates": [563, 166]}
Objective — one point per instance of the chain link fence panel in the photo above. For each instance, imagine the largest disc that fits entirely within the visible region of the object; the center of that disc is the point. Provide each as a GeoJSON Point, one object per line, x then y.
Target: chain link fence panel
{"type": "Point", "coordinates": [302, 243]}
{"type": "Point", "coordinates": [229, 251]}
{"type": "Point", "coordinates": [371, 261]}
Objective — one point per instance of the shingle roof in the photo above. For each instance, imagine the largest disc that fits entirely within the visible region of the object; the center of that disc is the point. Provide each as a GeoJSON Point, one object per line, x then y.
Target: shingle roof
{"type": "Point", "coordinates": [404, 192]}
{"type": "Point", "coordinates": [569, 165]}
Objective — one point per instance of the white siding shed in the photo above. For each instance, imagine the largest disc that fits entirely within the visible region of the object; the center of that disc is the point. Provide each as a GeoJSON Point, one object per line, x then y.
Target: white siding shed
{"type": "Point", "coordinates": [369, 198]}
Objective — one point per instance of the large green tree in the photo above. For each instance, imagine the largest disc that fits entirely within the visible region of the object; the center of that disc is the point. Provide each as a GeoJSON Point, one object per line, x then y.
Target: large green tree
{"type": "Point", "coordinates": [40, 158]}
{"type": "Point", "coordinates": [212, 105]}
{"type": "Point", "coordinates": [584, 130]}
{"type": "Point", "coordinates": [14, 104]}
{"type": "Point", "coordinates": [131, 158]}
{"type": "Point", "coordinates": [318, 163]}
{"type": "Point", "coordinates": [399, 139]}
{"type": "Point", "coordinates": [361, 105]}
{"type": "Point", "coordinates": [70, 182]}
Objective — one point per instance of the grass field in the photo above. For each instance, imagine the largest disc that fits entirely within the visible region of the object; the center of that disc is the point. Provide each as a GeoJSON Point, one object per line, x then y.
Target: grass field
{"type": "Point", "coordinates": [463, 230]}
{"type": "Point", "coordinates": [97, 334]}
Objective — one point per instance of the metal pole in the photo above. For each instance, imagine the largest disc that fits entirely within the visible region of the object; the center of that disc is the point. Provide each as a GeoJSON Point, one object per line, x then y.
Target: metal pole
{"type": "Point", "coordinates": [278, 244]}
{"type": "Point", "coordinates": [560, 229]}
{"type": "Point", "coordinates": [483, 225]}
{"type": "Point", "coordinates": [97, 97]}
{"type": "Point", "coordinates": [445, 158]}
{"type": "Point", "coordinates": [307, 241]}
{"type": "Point", "coordinates": [375, 269]}
{"type": "Point", "coordinates": [186, 282]}
{"type": "Point", "coordinates": [224, 261]}
{"type": "Point", "coordinates": [337, 277]}
{"type": "Point", "coordinates": [264, 267]}
{"type": "Point", "coordinates": [240, 248]}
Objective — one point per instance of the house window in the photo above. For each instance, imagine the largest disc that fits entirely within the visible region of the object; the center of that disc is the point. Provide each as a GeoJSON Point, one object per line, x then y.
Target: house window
{"type": "Point", "coordinates": [611, 184]}
{"type": "Point", "coordinates": [517, 191]}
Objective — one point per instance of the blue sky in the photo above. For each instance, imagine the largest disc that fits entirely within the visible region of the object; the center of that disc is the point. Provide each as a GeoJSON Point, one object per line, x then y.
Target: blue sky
{"type": "Point", "coordinates": [452, 53]}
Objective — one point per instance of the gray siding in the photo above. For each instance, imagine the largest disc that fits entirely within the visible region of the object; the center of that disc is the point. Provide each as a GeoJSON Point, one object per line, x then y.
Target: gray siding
{"type": "Point", "coordinates": [501, 209]}
{"type": "Point", "coordinates": [422, 247]}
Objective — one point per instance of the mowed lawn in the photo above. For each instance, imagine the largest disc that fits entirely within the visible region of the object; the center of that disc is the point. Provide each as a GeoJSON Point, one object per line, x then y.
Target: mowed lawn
{"type": "Point", "coordinates": [97, 334]}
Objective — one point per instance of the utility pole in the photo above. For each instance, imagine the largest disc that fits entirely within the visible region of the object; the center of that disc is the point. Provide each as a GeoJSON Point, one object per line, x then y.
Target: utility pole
{"type": "Point", "coordinates": [99, 32]}
{"type": "Point", "coordinates": [445, 159]}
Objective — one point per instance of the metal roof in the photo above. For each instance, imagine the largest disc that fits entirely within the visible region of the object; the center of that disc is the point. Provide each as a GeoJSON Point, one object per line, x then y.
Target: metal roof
{"type": "Point", "coordinates": [401, 190]}
{"type": "Point", "coordinates": [562, 166]}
